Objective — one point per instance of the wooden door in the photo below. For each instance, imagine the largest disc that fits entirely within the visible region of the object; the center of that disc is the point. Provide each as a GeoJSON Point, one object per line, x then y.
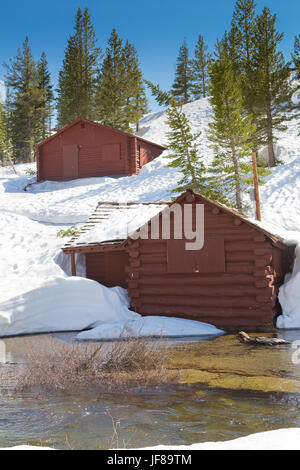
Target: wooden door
{"type": "Point", "coordinates": [107, 268]}
{"type": "Point", "coordinates": [70, 161]}
{"type": "Point", "coordinates": [115, 264]}
{"type": "Point", "coordinates": [112, 161]}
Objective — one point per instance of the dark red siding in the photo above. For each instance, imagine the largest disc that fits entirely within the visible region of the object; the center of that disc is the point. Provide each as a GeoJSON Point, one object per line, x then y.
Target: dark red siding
{"type": "Point", "coordinates": [232, 282]}
{"type": "Point", "coordinates": [107, 268]}
{"type": "Point", "coordinates": [146, 153]}
{"type": "Point", "coordinates": [86, 149]}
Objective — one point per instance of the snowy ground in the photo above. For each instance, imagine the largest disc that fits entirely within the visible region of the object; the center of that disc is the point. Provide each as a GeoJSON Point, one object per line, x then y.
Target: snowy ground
{"type": "Point", "coordinates": [280, 439]}
{"type": "Point", "coordinates": [32, 282]}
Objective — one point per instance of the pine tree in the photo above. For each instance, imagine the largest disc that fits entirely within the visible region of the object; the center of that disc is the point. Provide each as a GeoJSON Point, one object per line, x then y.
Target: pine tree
{"type": "Point", "coordinates": [231, 129]}
{"type": "Point", "coordinates": [182, 86]}
{"type": "Point", "coordinates": [184, 147]}
{"type": "Point", "coordinates": [272, 76]}
{"type": "Point", "coordinates": [77, 78]}
{"type": "Point", "coordinates": [47, 97]}
{"type": "Point", "coordinates": [242, 48]}
{"type": "Point", "coordinates": [296, 82]}
{"type": "Point", "coordinates": [242, 39]}
{"type": "Point", "coordinates": [243, 23]}
{"type": "Point", "coordinates": [296, 55]}
{"type": "Point", "coordinates": [111, 88]}
{"type": "Point", "coordinates": [23, 100]}
{"type": "Point", "coordinates": [200, 69]}
{"type": "Point", "coordinates": [3, 143]}
{"type": "Point", "coordinates": [136, 103]}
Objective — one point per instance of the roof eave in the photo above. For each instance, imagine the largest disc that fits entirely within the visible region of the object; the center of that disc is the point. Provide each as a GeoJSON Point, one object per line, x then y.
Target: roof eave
{"type": "Point", "coordinates": [73, 123]}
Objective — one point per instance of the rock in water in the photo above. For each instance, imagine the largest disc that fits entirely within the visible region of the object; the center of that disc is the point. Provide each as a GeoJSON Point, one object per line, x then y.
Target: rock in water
{"type": "Point", "coordinates": [260, 341]}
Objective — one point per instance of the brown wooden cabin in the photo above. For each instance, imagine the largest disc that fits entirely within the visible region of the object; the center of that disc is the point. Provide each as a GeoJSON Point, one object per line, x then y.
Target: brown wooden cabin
{"type": "Point", "coordinates": [85, 149]}
{"type": "Point", "coordinates": [232, 282]}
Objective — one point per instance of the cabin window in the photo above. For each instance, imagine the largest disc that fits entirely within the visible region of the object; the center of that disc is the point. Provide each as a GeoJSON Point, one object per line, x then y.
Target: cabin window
{"type": "Point", "coordinates": [210, 259]}
{"type": "Point", "coordinates": [111, 152]}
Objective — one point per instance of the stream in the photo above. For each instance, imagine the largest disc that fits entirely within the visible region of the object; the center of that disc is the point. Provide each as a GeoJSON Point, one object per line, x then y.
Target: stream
{"type": "Point", "coordinates": [226, 390]}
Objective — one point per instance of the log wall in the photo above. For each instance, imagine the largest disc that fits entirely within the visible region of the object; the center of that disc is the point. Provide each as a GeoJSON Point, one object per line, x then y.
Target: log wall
{"type": "Point", "coordinates": [245, 294]}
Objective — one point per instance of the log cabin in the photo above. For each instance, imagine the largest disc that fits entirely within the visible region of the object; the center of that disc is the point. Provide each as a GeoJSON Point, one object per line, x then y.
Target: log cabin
{"type": "Point", "coordinates": [231, 282]}
{"type": "Point", "coordinates": [86, 149]}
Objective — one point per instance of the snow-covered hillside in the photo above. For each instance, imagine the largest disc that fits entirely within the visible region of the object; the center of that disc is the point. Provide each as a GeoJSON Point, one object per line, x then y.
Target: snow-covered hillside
{"type": "Point", "coordinates": [30, 258]}
{"type": "Point", "coordinates": [154, 127]}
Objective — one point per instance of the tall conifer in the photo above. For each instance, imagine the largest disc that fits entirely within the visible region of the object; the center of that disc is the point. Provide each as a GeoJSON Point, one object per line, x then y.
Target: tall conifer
{"type": "Point", "coordinates": [46, 101]}
{"type": "Point", "coordinates": [184, 146]}
{"type": "Point", "coordinates": [296, 55]}
{"type": "Point", "coordinates": [231, 128]}
{"type": "Point", "coordinates": [200, 69]}
{"type": "Point", "coordinates": [77, 78]}
{"type": "Point", "coordinates": [242, 48]}
{"type": "Point", "coordinates": [136, 104]}
{"type": "Point", "coordinates": [296, 84]}
{"type": "Point", "coordinates": [3, 142]}
{"type": "Point", "coordinates": [23, 101]}
{"type": "Point", "coordinates": [111, 89]}
{"type": "Point", "coordinates": [272, 80]}
{"type": "Point", "coordinates": [182, 86]}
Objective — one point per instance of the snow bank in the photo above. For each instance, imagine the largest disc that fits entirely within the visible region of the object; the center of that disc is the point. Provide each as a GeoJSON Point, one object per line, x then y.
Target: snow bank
{"type": "Point", "coordinates": [26, 447]}
{"type": "Point", "coordinates": [151, 326]}
{"type": "Point", "coordinates": [64, 304]}
{"type": "Point", "coordinates": [289, 297]}
{"type": "Point", "coordinates": [280, 439]}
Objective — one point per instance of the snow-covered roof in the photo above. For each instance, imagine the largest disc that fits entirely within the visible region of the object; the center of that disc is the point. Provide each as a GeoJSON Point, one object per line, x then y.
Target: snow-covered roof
{"type": "Point", "coordinates": [113, 222]}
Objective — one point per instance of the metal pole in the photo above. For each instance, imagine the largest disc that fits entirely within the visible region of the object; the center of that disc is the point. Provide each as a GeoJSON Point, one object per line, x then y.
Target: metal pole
{"type": "Point", "coordinates": [256, 188]}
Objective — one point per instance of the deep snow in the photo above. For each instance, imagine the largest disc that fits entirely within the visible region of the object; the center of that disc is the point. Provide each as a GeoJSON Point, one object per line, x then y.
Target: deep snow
{"type": "Point", "coordinates": [280, 439]}
{"type": "Point", "coordinates": [150, 326]}
{"type": "Point", "coordinates": [30, 257]}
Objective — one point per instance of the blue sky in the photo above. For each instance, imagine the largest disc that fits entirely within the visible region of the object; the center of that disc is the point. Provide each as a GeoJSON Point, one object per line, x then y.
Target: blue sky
{"type": "Point", "coordinates": [157, 28]}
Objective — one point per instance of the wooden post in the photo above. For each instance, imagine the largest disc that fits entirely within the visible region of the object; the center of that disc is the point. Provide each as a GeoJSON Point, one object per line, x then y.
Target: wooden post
{"type": "Point", "coordinates": [256, 188]}
{"type": "Point", "coordinates": [73, 263]}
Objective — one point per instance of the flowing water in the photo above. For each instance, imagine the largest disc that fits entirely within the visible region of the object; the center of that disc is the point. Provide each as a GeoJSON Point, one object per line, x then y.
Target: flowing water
{"type": "Point", "coordinates": [226, 390]}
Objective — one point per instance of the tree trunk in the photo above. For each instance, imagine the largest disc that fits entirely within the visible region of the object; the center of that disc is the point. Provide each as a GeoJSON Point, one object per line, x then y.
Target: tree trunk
{"type": "Point", "coordinates": [256, 187]}
{"type": "Point", "coordinates": [271, 153]}
{"type": "Point", "coordinates": [238, 191]}
{"type": "Point", "coordinates": [203, 83]}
